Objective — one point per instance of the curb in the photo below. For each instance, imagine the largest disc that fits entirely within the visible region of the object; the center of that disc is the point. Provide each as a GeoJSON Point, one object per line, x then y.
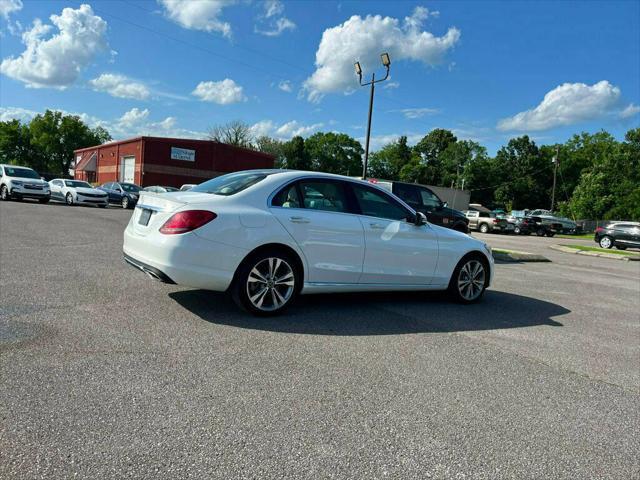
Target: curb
{"type": "Point", "coordinates": [625, 258]}
{"type": "Point", "coordinates": [514, 256]}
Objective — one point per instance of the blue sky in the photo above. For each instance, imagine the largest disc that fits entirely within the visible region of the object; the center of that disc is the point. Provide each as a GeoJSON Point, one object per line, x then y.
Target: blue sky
{"type": "Point", "coordinates": [488, 71]}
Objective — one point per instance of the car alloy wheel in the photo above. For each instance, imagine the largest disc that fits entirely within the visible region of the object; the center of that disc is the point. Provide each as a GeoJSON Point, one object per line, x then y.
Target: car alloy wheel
{"type": "Point", "coordinates": [4, 193]}
{"type": "Point", "coordinates": [484, 228]}
{"type": "Point", "coordinates": [606, 242]}
{"type": "Point", "coordinates": [69, 199]}
{"type": "Point", "coordinates": [125, 202]}
{"type": "Point", "coordinates": [540, 232]}
{"type": "Point", "coordinates": [270, 284]}
{"type": "Point", "coordinates": [471, 280]}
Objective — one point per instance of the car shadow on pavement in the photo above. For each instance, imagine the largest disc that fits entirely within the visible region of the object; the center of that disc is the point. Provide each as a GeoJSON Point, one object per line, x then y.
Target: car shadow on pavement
{"type": "Point", "coordinates": [379, 313]}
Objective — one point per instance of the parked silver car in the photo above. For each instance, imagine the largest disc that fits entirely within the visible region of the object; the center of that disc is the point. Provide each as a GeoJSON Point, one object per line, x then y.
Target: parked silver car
{"type": "Point", "coordinates": [74, 192]}
{"type": "Point", "coordinates": [22, 182]}
{"type": "Point", "coordinates": [486, 222]}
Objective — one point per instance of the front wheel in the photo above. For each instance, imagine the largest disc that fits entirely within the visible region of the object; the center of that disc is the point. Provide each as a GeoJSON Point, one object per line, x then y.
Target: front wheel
{"type": "Point", "coordinates": [125, 202]}
{"type": "Point", "coordinates": [606, 242]}
{"type": "Point", "coordinates": [540, 232]}
{"type": "Point", "coordinates": [266, 283]}
{"type": "Point", "coordinates": [69, 199]}
{"type": "Point", "coordinates": [516, 230]}
{"type": "Point", "coordinates": [469, 280]}
{"type": "Point", "coordinates": [484, 228]}
{"type": "Point", "coordinates": [4, 193]}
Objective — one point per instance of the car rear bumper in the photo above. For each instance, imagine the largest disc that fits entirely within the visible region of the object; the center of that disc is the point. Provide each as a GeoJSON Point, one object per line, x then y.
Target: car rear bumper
{"type": "Point", "coordinates": [185, 259]}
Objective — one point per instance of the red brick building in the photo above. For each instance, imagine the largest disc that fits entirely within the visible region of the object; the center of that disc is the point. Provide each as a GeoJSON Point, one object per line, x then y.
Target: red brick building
{"type": "Point", "coordinates": [164, 161]}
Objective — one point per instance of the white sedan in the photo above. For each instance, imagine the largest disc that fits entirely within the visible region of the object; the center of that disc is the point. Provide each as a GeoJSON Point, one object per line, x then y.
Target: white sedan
{"type": "Point", "coordinates": [267, 235]}
{"type": "Point", "coordinates": [74, 192]}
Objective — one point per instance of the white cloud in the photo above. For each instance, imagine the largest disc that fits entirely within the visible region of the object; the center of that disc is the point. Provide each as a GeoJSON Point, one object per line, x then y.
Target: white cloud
{"type": "Point", "coordinates": [198, 14]}
{"type": "Point", "coordinates": [120, 86]}
{"type": "Point", "coordinates": [272, 27]}
{"type": "Point", "coordinates": [378, 141]}
{"type": "Point", "coordinates": [413, 113]}
{"type": "Point", "coordinates": [566, 104]}
{"type": "Point", "coordinates": [57, 61]}
{"type": "Point", "coordinates": [224, 92]}
{"type": "Point", "coordinates": [16, 113]}
{"type": "Point", "coordinates": [7, 7]}
{"type": "Point", "coordinates": [363, 39]}
{"type": "Point", "coordinates": [390, 85]}
{"type": "Point", "coordinates": [285, 86]}
{"type": "Point", "coordinates": [285, 131]}
{"type": "Point", "coordinates": [134, 116]}
{"type": "Point", "coordinates": [629, 111]}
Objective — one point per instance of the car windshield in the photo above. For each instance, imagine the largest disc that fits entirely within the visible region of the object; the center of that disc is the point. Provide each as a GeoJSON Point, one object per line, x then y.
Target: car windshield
{"type": "Point", "coordinates": [230, 184]}
{"type": "Point", "coordinates": [130, 187]}
{"type": "Point", "coordinates": [21, 172]}
{"type": "Point", "coordinates": [76, 183]}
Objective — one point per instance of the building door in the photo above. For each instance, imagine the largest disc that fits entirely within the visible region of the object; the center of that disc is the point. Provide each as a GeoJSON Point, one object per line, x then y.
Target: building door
{"type": "Point", "coordinates": [127, 169]}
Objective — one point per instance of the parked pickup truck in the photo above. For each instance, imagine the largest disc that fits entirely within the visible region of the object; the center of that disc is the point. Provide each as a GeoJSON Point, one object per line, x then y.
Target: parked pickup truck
{"type": "Point", "coordinates": [422, 199]}
{"type": "Point", "coordinates": [486, 222]}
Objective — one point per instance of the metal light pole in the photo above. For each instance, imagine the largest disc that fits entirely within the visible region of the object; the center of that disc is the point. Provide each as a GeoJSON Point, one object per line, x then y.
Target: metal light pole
{"type": "Point", "coordinates": [556, 160]}
{"type": "Point", "coordinates": [386, 61]}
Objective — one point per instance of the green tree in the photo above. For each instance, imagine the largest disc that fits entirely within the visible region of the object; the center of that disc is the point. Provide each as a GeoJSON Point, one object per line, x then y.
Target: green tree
{"type": "Point", "coordinates": [390, 159]}
{"type": "Point", "coordinates": [15, 145]}
{"type": "Point", "coordinates": [295, 157]}
{"type": "Point", "coordinates": [56, 136]}
{"type": "Point", "coordinates": [430, 149]}
{"type": "Point", "coordinates": [456, 158]}
{"type": "Point", "coordinates": [334, 153]}
{"type": "Point", "coordinates": [273, 147]}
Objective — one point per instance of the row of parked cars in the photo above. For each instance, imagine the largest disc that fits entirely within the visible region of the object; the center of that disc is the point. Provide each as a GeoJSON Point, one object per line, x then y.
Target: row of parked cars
{"type": "Point", "coordinates": [23, 182]}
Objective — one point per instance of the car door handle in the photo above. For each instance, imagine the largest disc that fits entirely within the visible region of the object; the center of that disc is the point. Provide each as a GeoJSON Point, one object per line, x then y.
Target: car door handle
{"type": "Point", "coordinates": [299, 220]}
{"type": "Point", "coordinates": [377, 226]}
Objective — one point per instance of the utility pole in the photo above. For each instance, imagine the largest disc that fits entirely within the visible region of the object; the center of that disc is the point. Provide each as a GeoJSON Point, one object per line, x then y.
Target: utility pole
{"type": "Point", "coordinates": [556, 161]}
{"type": "Point", "coordinates": [386, 61]}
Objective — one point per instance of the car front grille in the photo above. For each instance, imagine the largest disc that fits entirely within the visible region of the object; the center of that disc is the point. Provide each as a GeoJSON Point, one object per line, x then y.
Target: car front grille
{"type": "Point", "coordinates": [93, 195]}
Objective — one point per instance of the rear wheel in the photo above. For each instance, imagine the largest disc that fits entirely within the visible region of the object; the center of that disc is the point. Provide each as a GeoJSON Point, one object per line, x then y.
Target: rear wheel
{"type": "Point", "coordinates": [266, 283]}
{"type": "Point", "coordinates": [4, 193]}
{"type": "Point", "coordinates": [606, 242]}
{"type": "Point", "coordinates": [469, 280]}
{"type": "Point", "coordinates": [516, 230]}
{"type": "Point", "coordinates": [484, 228]}
{"type": "Point", "coordinates": [69, 199]}
{"type": "Point", "coordinates": [540, 232]}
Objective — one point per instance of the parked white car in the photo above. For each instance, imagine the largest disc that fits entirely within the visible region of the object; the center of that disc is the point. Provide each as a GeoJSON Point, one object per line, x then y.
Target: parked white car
{"type": "Point", "coordinates": [267, 235]}
{"type": "Point", "coordinates": [22, 182]}
{"type": "Point", "coordinates": [77, 192]}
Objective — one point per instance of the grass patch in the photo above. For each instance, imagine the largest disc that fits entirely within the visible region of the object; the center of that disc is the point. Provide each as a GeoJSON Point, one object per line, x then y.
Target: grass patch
{"type": "Point", "coordinates": [602, 250]}
{"type": "Point", "coordinates": [584, 236]}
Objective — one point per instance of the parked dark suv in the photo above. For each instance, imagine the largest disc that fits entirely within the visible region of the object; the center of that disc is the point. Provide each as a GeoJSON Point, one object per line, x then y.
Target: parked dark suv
{"type": "Point", "coordinates": [422, 199]}
{"type": "Point", "coordinates": [621, 235]}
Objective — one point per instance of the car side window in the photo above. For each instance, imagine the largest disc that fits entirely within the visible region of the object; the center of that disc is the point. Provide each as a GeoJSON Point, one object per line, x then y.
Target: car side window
{"type": "Point", "coordinates": [374, 203]}
{"type": "Point", "coordinates": [484, 215]}
{"type": "Point", "coordinates": [429, 199]}
{"type": "Point", "coordinates": [328, 196]}
{"type": "Point", "coordinates": [288, 197]}
{"type": "Point", "coordinates": [107, 186]}
{"type": "Point", "coordinates": [409, 194]}
{"type": "Point", "coordinates": [57, 183]}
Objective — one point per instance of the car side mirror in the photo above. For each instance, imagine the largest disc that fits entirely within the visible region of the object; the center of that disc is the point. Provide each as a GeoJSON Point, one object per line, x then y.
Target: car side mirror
{"type": "Point", "coordinates": [445, 204]}
{"type": "Point", "coordinates": [420, 219]}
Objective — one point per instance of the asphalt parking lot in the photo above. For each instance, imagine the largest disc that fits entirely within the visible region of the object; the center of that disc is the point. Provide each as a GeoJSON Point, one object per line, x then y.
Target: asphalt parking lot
{"type": "Point", "coordinates": [107, 374]}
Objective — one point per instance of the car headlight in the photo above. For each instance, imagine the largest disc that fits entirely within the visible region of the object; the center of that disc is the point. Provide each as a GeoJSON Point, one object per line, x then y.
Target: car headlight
{"type": "Point", "coordinates": [17, 183]}
{"type": "Point", "coordinates": [488, 249]}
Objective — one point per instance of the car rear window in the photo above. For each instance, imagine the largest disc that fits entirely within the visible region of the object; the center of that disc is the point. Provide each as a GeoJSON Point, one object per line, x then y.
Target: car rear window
{"type": "Point", "coordinates": [231, 183]}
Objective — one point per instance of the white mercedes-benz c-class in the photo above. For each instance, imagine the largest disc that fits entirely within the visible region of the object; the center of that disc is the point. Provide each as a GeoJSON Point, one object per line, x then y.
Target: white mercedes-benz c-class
{"type": "Point", "coordinates": [267, 235]}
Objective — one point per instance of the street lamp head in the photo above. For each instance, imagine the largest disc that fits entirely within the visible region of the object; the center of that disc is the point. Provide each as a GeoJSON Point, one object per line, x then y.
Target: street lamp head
{"type": "Point", "coordinates": [386, 60]}
{"type": "Point", "coordinates": [358, 69]}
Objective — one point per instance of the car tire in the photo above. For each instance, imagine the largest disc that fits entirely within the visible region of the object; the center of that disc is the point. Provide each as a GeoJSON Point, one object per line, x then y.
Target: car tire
{"type": "Point", "coordinates": [125, 202]}
{"type": "Point", "coordinates": [606, 242]}
{"type": "Point", "coordinates": [69, 199]}
{"type": "Point", "coordinates": [484, 228]}
{"type": "Point", "coordinates": [44, 200]}
{"type": "Point", "coordinates": [266, 283]}
{"type": "Point", "coordinates": [469, 279]}
{"type": "Point", "coordinates": [4, 193]}
{"type": "Point", "coordinates": [516, 230]}
{"type": "Point", "coordinates": [540, 232]}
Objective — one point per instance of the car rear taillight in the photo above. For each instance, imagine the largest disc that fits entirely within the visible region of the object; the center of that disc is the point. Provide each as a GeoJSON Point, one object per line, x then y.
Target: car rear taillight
{"type": "Point", "coordinates": [183, 222]}
{"type": "Point", "coordinates": [495, 220]}
{"type": "Point", "coordinates": [599, 229]}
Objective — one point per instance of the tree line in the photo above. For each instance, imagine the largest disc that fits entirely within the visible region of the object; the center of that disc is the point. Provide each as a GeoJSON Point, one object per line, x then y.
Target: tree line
{"type": "Point", "coordinates": [47, 142]}
{"type": "Point", "coordinates": [598, 176]}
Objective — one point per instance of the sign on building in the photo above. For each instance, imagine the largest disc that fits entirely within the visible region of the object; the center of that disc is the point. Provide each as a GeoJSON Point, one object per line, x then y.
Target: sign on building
{"type": "Point", "coordinates": [183, 154]}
